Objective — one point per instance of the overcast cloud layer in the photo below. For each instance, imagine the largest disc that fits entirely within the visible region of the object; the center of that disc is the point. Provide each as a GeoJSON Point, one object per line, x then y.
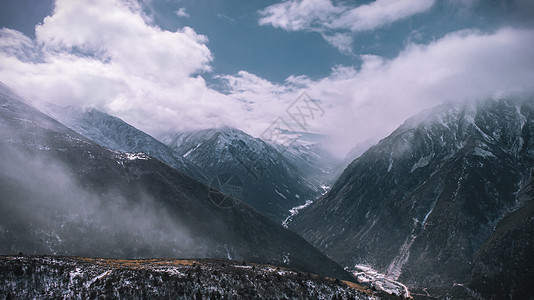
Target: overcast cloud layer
{"type": "Point", "coordinates": [111, 55]}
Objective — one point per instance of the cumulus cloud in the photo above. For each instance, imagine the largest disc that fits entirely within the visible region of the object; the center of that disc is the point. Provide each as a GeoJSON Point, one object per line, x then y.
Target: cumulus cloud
{"type": "Point", "coordinates": [328, 18]}
{"type": "Point", "coordinates": [108, 54]}
{"type": "Point", "coordinates": [373, 100]}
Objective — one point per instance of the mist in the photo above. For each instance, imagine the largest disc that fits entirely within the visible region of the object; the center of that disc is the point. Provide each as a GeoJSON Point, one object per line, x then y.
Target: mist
{"type": "Point", "coordinates": [45, 210]}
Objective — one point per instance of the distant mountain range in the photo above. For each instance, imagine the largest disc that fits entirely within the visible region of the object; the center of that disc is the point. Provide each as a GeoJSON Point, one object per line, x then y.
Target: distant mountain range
{"type": "Point", "coordinates": [64, 194]}
{"type": "Point", "coordinates": [443, 204]}
{"type": "Point", "coordinates": [274, 178]}
{"type": "Point", "coordinates": [272, 183]}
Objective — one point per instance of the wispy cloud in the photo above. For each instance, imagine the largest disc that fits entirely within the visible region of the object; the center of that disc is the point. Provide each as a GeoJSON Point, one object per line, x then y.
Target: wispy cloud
{"type": "Point", "coordinates": [225, 17]}
{"type": "Point", "coordinates": [342, 41]}
{"type": "Point", "coordinates": [16, 44]}
{"type": "Point", "coordinates": [331, 19]}
{"type": "Point", "coordinates": [295, 15]}
{"type": "Point", "coordinates": [379, 13]}
{"type": "Point", "coordinates": [182, 13]}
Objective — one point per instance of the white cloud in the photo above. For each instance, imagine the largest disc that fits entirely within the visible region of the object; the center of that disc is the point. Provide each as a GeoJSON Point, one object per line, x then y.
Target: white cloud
{"type": "Point", "coordinates": [373, 100]}
{"type": "Point", "coordinates": [294, 15]}
{"type": "Point", "coordinates": [182, 13]}
{"type": "Point", "coordinates": [245, 83]}
{"type": "Point", "coordinates": [263, 100]}
{"type": "Point", "coordinates": [108, 54]}
{"type": "Point", "coordinates": [329, 19]}
{"type": "Point", "coordinates": [379, 13]}
{"type": "Point", "coordinates": [342, 41]}
{"type": "Point", "coordinates": [16, 44]}
{"type": "Point", "coordinates": [117, 31]}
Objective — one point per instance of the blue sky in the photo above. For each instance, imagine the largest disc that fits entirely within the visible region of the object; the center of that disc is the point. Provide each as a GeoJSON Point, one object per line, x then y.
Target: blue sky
{"type": "Point", "coordinates": [238, 42]}
{"type": "Point", "coordinates": [166, 65]}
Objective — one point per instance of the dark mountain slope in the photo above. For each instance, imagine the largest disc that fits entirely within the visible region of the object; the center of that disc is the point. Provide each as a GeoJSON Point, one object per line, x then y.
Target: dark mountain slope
{"type": "Point", "coordinates": [63, 194]}
{"type": "Point", "coordinates": [505, 262]}
{"type": "Point", "coordinates": [421, 203]}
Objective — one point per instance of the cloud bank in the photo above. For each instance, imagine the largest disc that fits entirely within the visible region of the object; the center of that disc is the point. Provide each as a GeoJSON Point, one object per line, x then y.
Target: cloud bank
{"type": "Point", "coordinates": [373, 100]}
{"type": "Point", "coordinates": [110, 55]}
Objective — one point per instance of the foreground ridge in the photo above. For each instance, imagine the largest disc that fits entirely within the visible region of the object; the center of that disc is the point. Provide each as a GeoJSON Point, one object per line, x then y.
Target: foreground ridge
{"type": "Point", "coordinates": [82, 277]}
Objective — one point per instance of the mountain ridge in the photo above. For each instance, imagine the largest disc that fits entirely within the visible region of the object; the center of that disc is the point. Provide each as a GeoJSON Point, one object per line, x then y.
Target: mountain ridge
{"type": "Point", "coordinates": [419, 204]}
{"type": "Point", "coordinates": [114, 133]}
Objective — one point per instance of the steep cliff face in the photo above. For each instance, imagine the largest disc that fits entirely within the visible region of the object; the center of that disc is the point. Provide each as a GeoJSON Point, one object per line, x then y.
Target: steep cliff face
{"type": "Point", "coordinates": [83, 278]}
{"type": "Point", "coordinates": [421, 203]}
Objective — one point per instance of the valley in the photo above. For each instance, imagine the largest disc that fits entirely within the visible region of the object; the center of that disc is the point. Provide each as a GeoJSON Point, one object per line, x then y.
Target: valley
{"type": "Point", "coordinates": [284, 149]}
{"type": "Point", "coordinates": [399, 221]}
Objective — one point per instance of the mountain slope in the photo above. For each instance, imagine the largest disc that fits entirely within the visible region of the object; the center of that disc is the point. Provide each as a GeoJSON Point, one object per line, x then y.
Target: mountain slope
{"type": "Point", "coordinates": [113, 133]}
{"type": "Point", "coordinates": [271, 184]}
{"type": "Point", "coordinates": [504, 263]}
{"type": "Point", "coordinates": [421, 203]}
{"type": "Point", "coordinates": [63, 194]}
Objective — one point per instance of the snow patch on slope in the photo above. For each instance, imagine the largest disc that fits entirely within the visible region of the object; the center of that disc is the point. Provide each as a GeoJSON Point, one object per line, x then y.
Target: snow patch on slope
{"type": "Point", "coordinates": [483, 153]}
{"type": "Point", "coordinates": [280, 194]}
{"type": "Point", "coordinates": [191, 150]}
{"type": "Point", "coordinates": [422, 162]}
{"type": "Point", "coordinates": [136, 156]}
